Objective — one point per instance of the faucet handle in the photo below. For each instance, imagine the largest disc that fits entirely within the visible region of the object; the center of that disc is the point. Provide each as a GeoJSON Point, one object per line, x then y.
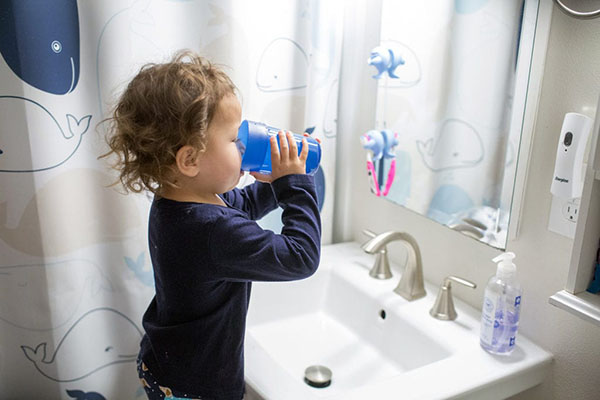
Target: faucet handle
{"type": "Point", "coordinates": [443, 308]}
{"type": "Point", "coordinates": [457, 279]}
{"type": "Point", "coordinates": [369, 233]}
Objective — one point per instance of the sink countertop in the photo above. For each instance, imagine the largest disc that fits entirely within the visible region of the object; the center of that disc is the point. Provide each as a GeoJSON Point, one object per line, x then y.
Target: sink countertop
{"type": "Point", "coordinates": [468, 372]}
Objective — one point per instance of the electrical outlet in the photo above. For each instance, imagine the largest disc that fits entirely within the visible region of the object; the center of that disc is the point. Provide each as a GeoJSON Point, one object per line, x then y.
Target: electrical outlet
{"type": "Point", "coordinates": [570, 210]}
{"type": "Point", "coordinates": [563, 216]}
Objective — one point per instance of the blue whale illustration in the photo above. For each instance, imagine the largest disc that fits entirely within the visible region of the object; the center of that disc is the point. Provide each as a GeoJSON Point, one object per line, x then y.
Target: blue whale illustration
{"type": "Point", "coordinates": [43, 144]}
{"type": "Point", "coordinates": [81, 395]}
{"type": "Point", "coordinates": [27, 285]}
{"type": "Point", "coordinates": [40, 42]}
{"type": "Point", "coordinates": [137, 267]}
{"type": "Point", "coordinates": [456, 145]}
{"type": "Point", "coordinates": [115, 340]}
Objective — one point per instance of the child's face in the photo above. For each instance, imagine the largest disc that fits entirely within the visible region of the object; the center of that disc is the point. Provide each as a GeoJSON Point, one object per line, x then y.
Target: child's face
{"type": "Point", "coordinates": [222, 160]}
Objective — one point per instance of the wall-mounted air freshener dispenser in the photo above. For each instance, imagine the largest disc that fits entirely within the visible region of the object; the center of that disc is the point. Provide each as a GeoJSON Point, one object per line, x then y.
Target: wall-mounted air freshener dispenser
{"type": "Point", "coordinates": [567, 180]}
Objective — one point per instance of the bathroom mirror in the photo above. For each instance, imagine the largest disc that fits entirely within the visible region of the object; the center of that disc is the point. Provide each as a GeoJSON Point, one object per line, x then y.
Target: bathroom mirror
{"type": "Point", "coordinates": [451, 94]}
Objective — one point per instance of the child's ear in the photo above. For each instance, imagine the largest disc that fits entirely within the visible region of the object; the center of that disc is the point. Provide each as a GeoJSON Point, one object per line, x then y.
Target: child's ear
{"type": "Point", "coordinates": [186, 160]}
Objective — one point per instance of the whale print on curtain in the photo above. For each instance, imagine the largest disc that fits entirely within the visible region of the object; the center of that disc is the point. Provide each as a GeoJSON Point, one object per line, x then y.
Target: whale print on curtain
{"type": "Point", "coordinates": [40, 42]}
{"type": "Point", "coordinates": [75, 274]}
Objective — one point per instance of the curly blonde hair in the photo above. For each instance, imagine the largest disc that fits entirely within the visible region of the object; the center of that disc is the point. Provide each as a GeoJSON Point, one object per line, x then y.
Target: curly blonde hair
{"type": "Point", "coordinates": [165, 106]}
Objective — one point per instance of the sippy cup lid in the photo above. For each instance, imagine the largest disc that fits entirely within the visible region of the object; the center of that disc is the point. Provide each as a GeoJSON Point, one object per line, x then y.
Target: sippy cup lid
{"type": "Point", "coordinates": [253, 138]}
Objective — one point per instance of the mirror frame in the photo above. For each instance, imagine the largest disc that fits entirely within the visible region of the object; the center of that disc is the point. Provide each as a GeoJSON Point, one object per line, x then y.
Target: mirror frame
{"type": "Point", "coordinates": [532, 100]}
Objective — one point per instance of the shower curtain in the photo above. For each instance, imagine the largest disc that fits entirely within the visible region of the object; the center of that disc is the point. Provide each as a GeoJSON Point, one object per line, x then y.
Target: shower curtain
{"type": "Point", "coordinates": [75, 273]}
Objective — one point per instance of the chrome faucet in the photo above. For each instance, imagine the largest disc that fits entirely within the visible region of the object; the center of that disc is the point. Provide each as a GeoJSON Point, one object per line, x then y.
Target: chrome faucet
{"type": "Point", "coordinates": [469, 230]}
{"type": "Point", "coordinates": [411, 285]}
{"type": "Point", "coordinates": [381, 268]}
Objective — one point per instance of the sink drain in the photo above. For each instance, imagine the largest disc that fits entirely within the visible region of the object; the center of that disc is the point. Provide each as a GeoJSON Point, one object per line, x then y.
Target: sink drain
{"type": "Point", "coordinates": [317, 376]}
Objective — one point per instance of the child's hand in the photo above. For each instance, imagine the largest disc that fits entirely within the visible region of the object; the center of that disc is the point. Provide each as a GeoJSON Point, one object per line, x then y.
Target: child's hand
{"type": "Point", "coordinates": [287, 161]}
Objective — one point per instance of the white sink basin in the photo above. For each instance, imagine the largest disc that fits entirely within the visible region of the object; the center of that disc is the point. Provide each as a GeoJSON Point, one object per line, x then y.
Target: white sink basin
{"type": "Point", "coordinates": [378, 345]}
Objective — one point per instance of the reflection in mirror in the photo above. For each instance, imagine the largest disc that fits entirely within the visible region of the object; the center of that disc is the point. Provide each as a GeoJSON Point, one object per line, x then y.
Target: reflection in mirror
{"type": "Point", "coordinates": [452, 82]}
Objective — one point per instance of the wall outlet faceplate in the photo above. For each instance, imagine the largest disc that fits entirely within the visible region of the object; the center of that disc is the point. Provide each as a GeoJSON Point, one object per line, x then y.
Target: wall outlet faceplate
{"type": "Point", "coordinates": [563, 216]}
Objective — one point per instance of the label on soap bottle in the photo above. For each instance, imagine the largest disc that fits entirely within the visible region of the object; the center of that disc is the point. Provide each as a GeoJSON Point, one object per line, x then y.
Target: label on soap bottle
{"type": "Point", "coordinates": [488, 318]}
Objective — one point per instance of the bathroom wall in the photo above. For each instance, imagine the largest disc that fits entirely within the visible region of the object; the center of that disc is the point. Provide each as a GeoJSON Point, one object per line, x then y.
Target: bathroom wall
{"type": "Point", "coordinates": [571, 83]}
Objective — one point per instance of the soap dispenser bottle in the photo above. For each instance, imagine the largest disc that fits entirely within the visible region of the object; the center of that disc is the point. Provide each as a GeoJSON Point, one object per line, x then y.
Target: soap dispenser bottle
{"type": "Point", "coordinates": [501, 308]}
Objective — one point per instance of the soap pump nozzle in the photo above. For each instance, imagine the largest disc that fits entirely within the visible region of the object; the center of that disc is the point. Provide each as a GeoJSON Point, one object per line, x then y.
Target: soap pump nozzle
{"type": "Point", "coordinates": [506, 267]}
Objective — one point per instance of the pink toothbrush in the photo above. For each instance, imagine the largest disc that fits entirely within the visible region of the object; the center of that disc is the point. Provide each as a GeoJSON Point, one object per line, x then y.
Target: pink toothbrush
{"type": "Point", "coordinates": [373, 142]}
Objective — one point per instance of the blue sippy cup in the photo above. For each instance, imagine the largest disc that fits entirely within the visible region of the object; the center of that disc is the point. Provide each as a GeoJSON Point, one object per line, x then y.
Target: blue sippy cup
{"type": "Point", "coordinates": [254, 146]}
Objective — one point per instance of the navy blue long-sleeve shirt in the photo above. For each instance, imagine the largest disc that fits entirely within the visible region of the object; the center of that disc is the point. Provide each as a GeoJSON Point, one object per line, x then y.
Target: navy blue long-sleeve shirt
{"type": "Point", "coordinates": [204, 258]}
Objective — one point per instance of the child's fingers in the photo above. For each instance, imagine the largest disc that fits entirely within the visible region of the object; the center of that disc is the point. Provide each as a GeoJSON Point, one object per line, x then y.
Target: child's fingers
{"type": "Point", "coordinates": [308, 135]}
{"type": "Point", "coordinates": [274, 149]}
{"type": "Point", "coordinates": [293, 145]}
{"type": "Point", "coordinates": [283, 144]}
{"type": "Point", "coordinates": [304, 152]}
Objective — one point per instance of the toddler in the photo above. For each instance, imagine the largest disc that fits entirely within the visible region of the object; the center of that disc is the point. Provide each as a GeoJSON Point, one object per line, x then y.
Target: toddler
{"type": "Point", "coordinates": [174, 132]}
